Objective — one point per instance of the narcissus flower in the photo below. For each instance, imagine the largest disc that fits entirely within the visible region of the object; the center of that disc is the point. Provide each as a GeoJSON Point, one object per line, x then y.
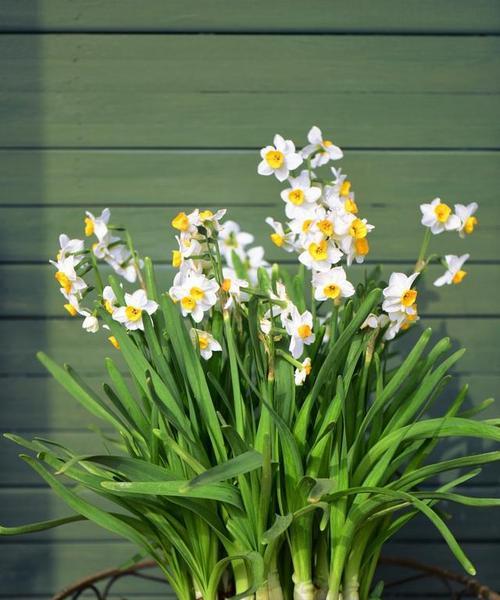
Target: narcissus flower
{"type": "Point", "coordinates": [439, 217]}
{"type": "Point", "coordinates": [302, 372]}
{"type": "Point", "coordinates": [454, 272]}
{"type": "Point", "coordinates": [332, 285]}
{"type": "Point", "coordinates": [206, 343]}
{"type": "Point", "coordinates": [320, 254]}
{"type": "Point", "coordinates": [232, 285]}
{"type": "Point", "coordinates": [195, 292]}
{"type": "Point", "coordinates": [299, 195]}
{"type": "Point", "coordinates": [186, 223]}
{"type": "Point", "coordinates": [73, 247]}
{"type": "Point", "coordinates": [300, 328]}
{"type": "Point", "coordinates": [279, 159]}
{"type": "Point", "coordinates": [253, 261]}
{"type": "Point", "coordinates": [90, 322]}
{"type": "Point", "coordinates": [325, 149]}
{"type": "Point", "coordinates": [283, 240]}
{"type": "Point", "coordinates": [468, 221]}
{"type": "Point", "coordinates": [399, 295]}
{"type": "Point", "coordinates": [71, 284]}
{"type": "Point", "coordinates": [97, 226]}
{"type": "Point", "coordinates": [131, 314]}
{"type": "Point", "coordinates": [109, 299]}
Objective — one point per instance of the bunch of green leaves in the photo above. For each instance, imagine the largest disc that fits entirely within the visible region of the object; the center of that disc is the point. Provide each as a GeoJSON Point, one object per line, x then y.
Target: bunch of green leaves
{"type": "Point", "coordinates": [233, 478]}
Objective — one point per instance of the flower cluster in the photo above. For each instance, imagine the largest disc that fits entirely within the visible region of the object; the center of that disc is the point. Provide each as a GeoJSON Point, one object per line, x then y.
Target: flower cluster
{"type": "Point", "coordinates": [219, 270]}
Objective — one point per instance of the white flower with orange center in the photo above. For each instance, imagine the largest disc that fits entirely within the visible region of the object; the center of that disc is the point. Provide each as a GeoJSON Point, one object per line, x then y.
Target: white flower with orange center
{"type": "Point", "coordinates": [454, 272]}
{"type": "Point", "coordinates": [187, 224]}
{"type": "Point", "coordinates": [120, 258]}
{"type": "Point", "coordinates": [195, 292]}
{"type": "Point", "coordinates": [231, 285]}
{"type": "Point", "coordinates": [302, 372]}
{"type": "Point", "coordinates": [279, 238]}
{"type": "Point", "coordinates": [399, 297]}
{"type": "Point", "coordinates": [300, 195]}
{"type": "Point", "coordinates": [304, 224]}
{"type": "Point", "coordinates": [207, 218]}
{"type": "Point", "coordinates": [71, 284]}
{"type": "Point", "coordinates": [97, 226]}
{"type": "Point", "coordinates": [354, 243]}
{"type": "Point", "coordinates": [439, 217]}
{"type": "Point", "coordinates": [135, 305]}
{"type": "Point", "coordinates": [300, 328]}
{"type": "Point", "coordinates": [70, 247]}
{"type": "Point", "coordinates": [322, 151]}
{"type": "Point", "coordinates": [332, 285]}
{"type": "Point", "coordinates": [205, 342]}
{"type": "Point", "coordinates": [279, 159]}
{"type": "Point", "coordinates": [468, 222]}
{"type": "Point", "coordinates": [320, 254]}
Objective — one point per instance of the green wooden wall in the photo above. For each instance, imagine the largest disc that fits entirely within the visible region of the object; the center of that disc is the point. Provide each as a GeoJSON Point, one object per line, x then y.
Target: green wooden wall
{"type": "Point", "coordinates": [150, 106]}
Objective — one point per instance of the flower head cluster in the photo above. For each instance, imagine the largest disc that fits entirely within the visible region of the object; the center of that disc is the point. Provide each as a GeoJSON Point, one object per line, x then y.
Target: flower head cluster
{"type": "Point", "coordinates": [323, 225]}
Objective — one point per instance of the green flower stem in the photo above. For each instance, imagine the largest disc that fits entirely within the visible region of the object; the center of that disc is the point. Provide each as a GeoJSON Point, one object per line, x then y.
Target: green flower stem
{"type": "Point", "coordinates": [130, 245]}
{"type": "Point", "coordinates": [421, 262]}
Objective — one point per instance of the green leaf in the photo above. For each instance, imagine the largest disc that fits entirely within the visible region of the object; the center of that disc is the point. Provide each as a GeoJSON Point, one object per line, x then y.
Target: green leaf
{"type": "Point", "coordinates": [217, 491]}
{"type": "Point", "coordinates": [40, 526]}
{"type": "Point", "coordinates": [241, 464]}
{"type": "Point", "coordinates": [278, 528]}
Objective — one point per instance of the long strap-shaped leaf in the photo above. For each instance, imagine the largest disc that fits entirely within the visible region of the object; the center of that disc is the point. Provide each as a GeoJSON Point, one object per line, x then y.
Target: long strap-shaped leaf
{"type": "Point", "coordinates": [418, 503]}
{"type": "Point", "coordinates": [440, 427]}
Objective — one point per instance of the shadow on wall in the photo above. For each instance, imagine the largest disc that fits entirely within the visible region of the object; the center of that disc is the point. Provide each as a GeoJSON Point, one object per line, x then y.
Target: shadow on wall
{"type": "Point", "coordinates": [26, 567]}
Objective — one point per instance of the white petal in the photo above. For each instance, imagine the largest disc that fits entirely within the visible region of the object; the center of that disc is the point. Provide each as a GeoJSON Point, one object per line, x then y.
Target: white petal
{"type": "Point", "coordinates": [315, 136]}
{"type": "Point", "coordinates": [264, 168]}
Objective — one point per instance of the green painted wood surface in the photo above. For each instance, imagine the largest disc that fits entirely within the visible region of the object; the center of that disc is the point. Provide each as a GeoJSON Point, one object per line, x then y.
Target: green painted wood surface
{"type": "Point", "coordinates": [225, 15]}
{"type": "Point", "coordinates": [233, 90]}
{"type": "Point", "coordinates": [228, 177]}
{"type": "Point", "coordinates": [150, 124]}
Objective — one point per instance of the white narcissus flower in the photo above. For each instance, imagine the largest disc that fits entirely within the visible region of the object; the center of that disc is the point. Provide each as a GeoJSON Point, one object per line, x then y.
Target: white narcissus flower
{"type": "Point", "coordinates": [299, 195]}
{"type": "Point", "coordinates": [332, 285]}
{"type": "Point", "coordinates": [207, 217]}
{"type": "Point", "coordinates": [399, 321]}
{"type": "Point", "coordinates": [468, 221]}
{"type": "Point", "coordinates": [320, 254]}
{"type": "Point", "coordinates": [231, 238]}
{"type": "Point", "coordinates": [109, 299]}
{"type": "Point", "coordinates": [187, 224]}
{"type": "Point", "coordinates": [302, 372]}
{"type": "Point", "coordinates": [232, 285]}
{"type": "Point", "coordinates": [71, 284]}
{"type": "Point", "coordinates": [454, 272]}
{"type": "Point", "coordinates": [399, 296]}
{"type": "Point", "coordinates": [90, 322]}
{"type": "Point", "coordinates": [206, 343]}
{"type": "Point", "coordinates": [279, 159]}
{"type": "Point", "coordinates": [131, 314]}
{"type": "Point", "coordinates": [439, 217]}
{"type": "Point", "coordinates": [194, 291]}
{"type": "Point", "coordinates": [283, 240]}
{"type": "Point", "coordinates": [326, 150]}
{"type": "Point", "coordinates": [73, 247]}
{"type": "Point", "coordinates": [120, 258]}
{"type": "Point", "coordinates": [300, 328]}
{"type": "Point", "coordinates": [97, 225]}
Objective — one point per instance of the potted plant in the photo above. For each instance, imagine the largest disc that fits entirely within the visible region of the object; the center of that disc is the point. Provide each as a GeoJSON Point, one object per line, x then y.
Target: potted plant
{"type": "Point", "coordinates": [267, 441]}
